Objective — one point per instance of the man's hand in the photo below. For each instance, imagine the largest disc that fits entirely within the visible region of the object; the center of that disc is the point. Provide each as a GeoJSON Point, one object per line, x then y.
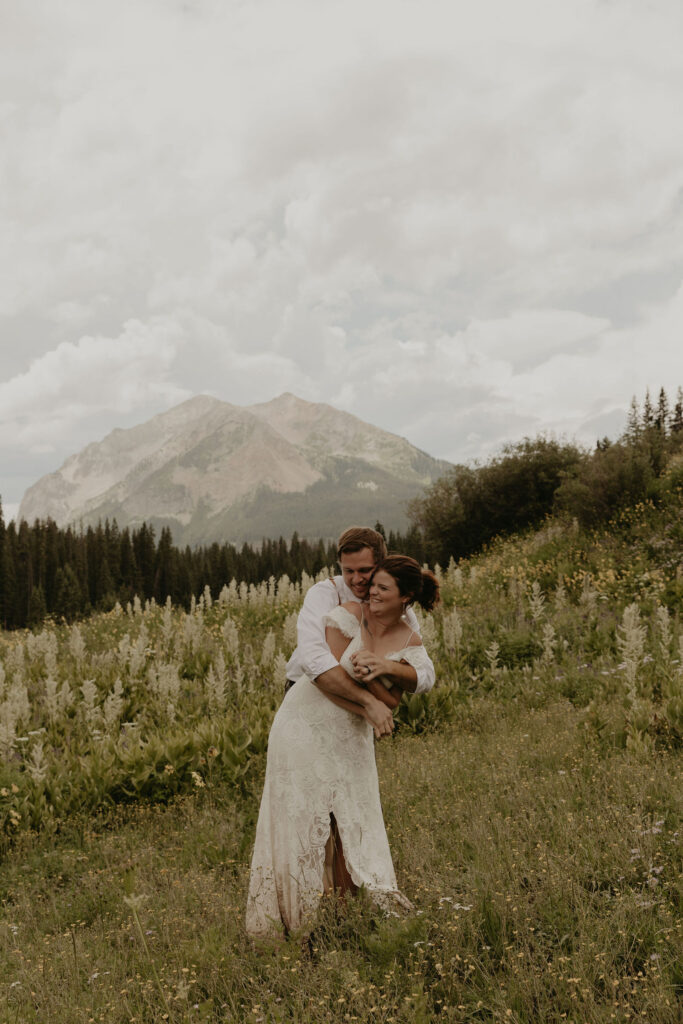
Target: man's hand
{"type": "Point", "coordinates": [380, 717]}
{"type": "Point", "coordinates": [368, 666]}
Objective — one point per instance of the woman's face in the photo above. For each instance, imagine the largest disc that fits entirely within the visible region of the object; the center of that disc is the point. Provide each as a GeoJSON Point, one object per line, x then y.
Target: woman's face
{"type": "Point", "coordinates": [384, 596]}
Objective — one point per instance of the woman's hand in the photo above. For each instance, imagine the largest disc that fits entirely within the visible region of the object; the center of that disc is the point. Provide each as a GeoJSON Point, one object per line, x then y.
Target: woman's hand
{"type": "Point", "coordinates": [368, 666]}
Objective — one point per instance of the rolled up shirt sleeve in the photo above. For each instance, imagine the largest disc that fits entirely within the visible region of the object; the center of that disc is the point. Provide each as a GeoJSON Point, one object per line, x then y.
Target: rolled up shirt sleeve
{"type": "Point", "coordinates": [312, 655]}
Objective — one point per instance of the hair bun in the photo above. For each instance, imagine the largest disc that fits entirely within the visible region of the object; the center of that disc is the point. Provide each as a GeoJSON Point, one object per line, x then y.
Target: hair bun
{"type": "Point", "coordinates": [414, 582]}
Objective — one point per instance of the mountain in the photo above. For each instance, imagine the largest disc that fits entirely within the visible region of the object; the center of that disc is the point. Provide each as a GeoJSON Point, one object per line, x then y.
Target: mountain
{"type": "Point", "coordinates": [219, 472]}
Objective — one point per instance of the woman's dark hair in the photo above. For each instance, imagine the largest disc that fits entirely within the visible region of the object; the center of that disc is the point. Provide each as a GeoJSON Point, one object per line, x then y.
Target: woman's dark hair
{"type": "Point", "coordinates": [413, 582]}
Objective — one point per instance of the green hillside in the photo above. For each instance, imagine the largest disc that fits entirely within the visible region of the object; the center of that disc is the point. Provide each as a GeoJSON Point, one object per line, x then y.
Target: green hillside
{"type": "Point", "coordinates": [533, 802]}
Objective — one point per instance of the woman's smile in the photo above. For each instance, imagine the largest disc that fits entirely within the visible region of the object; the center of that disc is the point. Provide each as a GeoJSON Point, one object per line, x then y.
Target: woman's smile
{"type": "Point", "coordinates": [384, 594]}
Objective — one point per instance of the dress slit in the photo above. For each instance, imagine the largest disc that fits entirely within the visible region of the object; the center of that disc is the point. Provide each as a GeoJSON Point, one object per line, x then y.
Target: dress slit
{"type": "Point", "coordinates": [336, 875]}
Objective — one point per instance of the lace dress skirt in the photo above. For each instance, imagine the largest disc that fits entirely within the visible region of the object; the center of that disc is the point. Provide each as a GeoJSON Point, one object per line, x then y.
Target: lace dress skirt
{"type": "Point", "coordinates": [321, 761]}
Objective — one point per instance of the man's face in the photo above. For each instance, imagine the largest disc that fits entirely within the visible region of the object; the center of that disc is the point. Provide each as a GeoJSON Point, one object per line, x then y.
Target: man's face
{"type": "Point", "coordinates": [357, 568]}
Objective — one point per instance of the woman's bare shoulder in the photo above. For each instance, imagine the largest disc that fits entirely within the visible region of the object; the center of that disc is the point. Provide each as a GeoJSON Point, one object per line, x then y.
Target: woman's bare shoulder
{"type": "Point", "coordinates": [415, 641]}
{"type": "Point", "coordinates": [353, 607]}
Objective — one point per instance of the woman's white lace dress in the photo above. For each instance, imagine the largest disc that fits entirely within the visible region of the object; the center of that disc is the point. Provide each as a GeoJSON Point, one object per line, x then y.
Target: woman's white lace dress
{"type": "Point", "coordinates": [321, 761]}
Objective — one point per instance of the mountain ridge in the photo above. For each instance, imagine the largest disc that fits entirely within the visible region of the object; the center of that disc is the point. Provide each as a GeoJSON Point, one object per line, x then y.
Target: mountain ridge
{"type": "Point", "coordinates": [215, 471]}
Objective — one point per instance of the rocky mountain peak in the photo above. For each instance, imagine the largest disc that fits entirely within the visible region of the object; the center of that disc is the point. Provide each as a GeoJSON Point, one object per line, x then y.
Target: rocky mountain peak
{"type": "Point", "coordinates": [216, 471]}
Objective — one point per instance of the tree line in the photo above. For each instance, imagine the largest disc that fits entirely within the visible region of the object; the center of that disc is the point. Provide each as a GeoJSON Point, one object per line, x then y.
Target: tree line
{"type": "Point", "coordinates": [67, 573]}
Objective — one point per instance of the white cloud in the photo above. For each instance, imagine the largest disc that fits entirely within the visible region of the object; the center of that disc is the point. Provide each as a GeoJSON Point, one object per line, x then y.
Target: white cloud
{"type": "Point", "coordinates": [77, 381]}
{"type": "Point", "coordinates": [428, 214]}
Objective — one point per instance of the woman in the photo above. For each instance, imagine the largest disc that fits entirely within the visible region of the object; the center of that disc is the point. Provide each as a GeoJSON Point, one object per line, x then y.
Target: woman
{"type": "Point", "coordinates": [320, 824]}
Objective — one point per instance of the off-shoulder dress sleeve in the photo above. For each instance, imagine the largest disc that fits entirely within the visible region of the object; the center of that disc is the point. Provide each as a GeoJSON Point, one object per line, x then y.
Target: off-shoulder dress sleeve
{"type": "Point", "coordinates": [343, 620]}
{"type": "Point", "coordinates": [421, 662]}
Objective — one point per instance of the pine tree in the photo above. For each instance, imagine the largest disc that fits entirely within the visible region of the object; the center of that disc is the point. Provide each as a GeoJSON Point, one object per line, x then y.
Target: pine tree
{"type": "Point", "coordinates": [648, 412]}
{"type": "Point", "coordinates": [24, 574]}
{"type": "Point", "coordinates": [113, 542]}
{"type": "Point", "coordinates": [10, 603]}
{"type": "Point", "coordinates": [145, 556]}
{"type": "Point", "coordinates": [53, 558]}
{"type": "Point", "coordinates": [80, 569]}
{"type": "Point", "coordinates": [633, 427]}
{"type": "Point", "coordinates": [69, 596]}
{"type": "Point", "coordinates": [677, 418]}
{"type": "Point", "coordinates": [129, 577]}
{"type": "Point", "coordinates": [166, 572]}
{"type": "Point", "coordinates": [3, 570]}
{"type": "Point", "coordinates": [36, 606]}
{"type": "Point", "coordinates": [662, 417]}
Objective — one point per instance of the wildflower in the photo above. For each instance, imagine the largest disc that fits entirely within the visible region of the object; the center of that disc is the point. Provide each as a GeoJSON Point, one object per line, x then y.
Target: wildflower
{"type": "Point", "coordinates": [212, 752]}
{"type": "Point", "coordinates": [549, 643]}
{"type": "Point", "coordinates": [169, 769]}
{"type": "Point", "coordinates": [630, 643]}
{"type": "Point", "coordinates": [492, 652]}
{"type": "Point", "coordinates": [536, 602]}
{"type": "Point", "coordinates": [198, 780]}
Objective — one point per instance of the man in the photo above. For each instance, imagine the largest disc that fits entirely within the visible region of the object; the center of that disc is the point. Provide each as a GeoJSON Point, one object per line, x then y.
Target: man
{"type": "Point", "coordinates": [359, 551]}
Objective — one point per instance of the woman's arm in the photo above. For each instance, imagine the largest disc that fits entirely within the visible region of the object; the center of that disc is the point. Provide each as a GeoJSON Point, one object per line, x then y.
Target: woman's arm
{"type": "Point", "coordinates": [348, 705]}
{"type": "Point", "coordinates": [392, 697]}
{"type": "Point", "coordinates": [400, 673]}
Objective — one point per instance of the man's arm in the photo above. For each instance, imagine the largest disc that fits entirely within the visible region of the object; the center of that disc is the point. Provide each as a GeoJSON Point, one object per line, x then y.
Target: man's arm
{"type": "Point", "coordinates": [313, 656]}
{"type": "Point", "coordinates": [338, 685]}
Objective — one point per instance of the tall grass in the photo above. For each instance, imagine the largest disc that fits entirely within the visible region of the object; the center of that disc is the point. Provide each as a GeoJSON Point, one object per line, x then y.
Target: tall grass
{"type": "Point", "coordinates": [546, 878]}
{"type": "Point", "coordinates": [532, 801]}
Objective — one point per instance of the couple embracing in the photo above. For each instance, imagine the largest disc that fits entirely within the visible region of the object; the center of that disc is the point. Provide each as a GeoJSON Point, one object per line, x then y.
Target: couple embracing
{"type": "Point", "coordinates": [320, 825]}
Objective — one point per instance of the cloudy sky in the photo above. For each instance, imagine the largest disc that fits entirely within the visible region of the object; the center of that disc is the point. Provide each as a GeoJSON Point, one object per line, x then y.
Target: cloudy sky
{"type": "Point", "coordinates": [461, 222]}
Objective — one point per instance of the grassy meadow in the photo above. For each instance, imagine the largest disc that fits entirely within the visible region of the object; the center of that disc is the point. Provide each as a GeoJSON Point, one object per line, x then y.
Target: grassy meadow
{"type": "Point", "coordinates": [532, 800]}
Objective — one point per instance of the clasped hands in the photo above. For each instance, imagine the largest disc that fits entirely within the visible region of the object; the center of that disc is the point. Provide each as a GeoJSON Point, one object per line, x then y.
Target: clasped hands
{"type": "Point", "coordinates": [367, 665]}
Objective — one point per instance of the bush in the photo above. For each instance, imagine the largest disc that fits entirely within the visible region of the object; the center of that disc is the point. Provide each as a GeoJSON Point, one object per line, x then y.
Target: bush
{"type": "Point", "coordinates": [604, 482]}
{"type": "Point", "coordinates": [467, 507]}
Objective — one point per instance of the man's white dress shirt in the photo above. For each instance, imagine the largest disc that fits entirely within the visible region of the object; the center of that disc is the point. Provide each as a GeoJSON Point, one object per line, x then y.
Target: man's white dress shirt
{"type": "Point", "coordinates": [312, 656]}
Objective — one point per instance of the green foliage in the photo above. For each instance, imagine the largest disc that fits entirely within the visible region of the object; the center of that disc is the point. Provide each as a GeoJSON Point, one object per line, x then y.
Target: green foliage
{"type": "Point", "coordinates": [545, 877]}
{"type": "Point", "coordinates": [532, 802]}
{"type": "Point", "coordinates": [602, 483]}
{"type": "Point", "coordinates": [124, 707]}
{"type": "Point", "coordinates": [468, 507]}
{"type": "Point", "coordinates": [425, 712]}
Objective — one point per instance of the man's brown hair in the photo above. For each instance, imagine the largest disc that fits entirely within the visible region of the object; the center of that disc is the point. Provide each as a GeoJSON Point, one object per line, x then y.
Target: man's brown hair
{"type": "Point", "coordinates": [358, 537]}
